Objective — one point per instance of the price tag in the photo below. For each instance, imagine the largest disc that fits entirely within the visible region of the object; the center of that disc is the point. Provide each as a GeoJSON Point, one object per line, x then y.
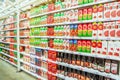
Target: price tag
{"type": "Point", "coordinates": [108, 38]}
{"type": "Point", "coordinates": [108, 75]}
{"type": "Point", "coordinates": [108, 57]}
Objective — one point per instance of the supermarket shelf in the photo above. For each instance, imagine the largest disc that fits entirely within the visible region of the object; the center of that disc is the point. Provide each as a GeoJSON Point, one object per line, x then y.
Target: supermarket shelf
{"type": "Point", "coordinates": [7, 30]}
{"type": "Point", "coordinates": [33, 74]}
{"type": "Point", "coordinates": [8, 49]}
{"type": "Point", "coordinates": [109, 75]}
{"type": "Point", "coordinates": [67, 37]}
{"type": "Point", "coordinates": [78, 53]}
{"type": "Point", "coordinates": [8, 36]}
{"type": "Point", "coordinates": [84, 54]}
{"type": "Point", "coordinates": [9, 62]}
{"type": "Point", "coordinates": [71, 8]}
{"type": "Point", "coordinates": [76, 22]}
{"type": "Point", "coordinates": [30, 55]}
{"type": "Point", "coordinates": [8, 23]}
{"type": "Point", "coordinates": [43, 69]}
{"type": "Point", "coordinates": [30, 64]}
{"type": "Point", "coordinates": [8, 43]}
{"type": "Point", "coordinates": [8, 55]}
{"type": "Point", "coordinates": [24, 19]}
{"type": "Point", "coordinates": [24, 28]}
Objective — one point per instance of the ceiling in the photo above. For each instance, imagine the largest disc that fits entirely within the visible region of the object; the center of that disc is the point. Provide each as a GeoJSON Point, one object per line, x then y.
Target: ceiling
{"type": "Point", "coordinates": [5, 3]}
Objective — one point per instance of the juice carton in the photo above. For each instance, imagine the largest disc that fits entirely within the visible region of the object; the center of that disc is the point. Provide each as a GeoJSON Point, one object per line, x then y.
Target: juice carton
{"type": "Point", "coordinates": [99, 47]}
{"type": "Point", "coordinates": [75, 29]}
{"type": "Point", "coordinates": [118, 10]}
{"type": "Point", "coordinates": [94, 47]}
{"type": "Point", "coordinates": [84, 46]}
{"type": "Point", "coordinates": [71, 30]}
{"type": "Point", "coordinates": [104, 47]}
{"type": "Point", "coordinates": [79, 46]}
{"type": "Point", "coordinates": [75, 45]}
{"type": "Point", "coordinates": [80, 2]}
{"type": "Point", "coordinates": [111, 48]}
{"type": "Point", "coordinates": [80, 14]}
{"type": "Point", "coordinates": [85, 14]}
{"type": "Point", "coordinates": [90, 1]}
{"type": "Point", "coordinates": [112, 30]}
{"type": "Point", "coordinates": [76, 15]}
{"type": "Point", "coordinates": [89, 31]}
{"type": "Point", "coordinates": [117, 48]}
{"type": "Point", "coordinates": [88, 50]}
{"type": "Point", "coordinates": [90, 13]}
{"type": "Point", "coordinates": [80, 30]}
{"type": "Point", "coordinates": [106, 29]}
{"type": "Point", "coordinates": [86, 1]}
{"type": "Point", "coordinates": [72, 15]}
{"type": "Point", "coordinates": [85, 28]}
{"type": "Point", "coordinates": [100, 30]}
{"type": "Point", "coordinates": [67, 44]}
{"type": "Point", "coordinates": [113, 10]}
{"type": "Point", "coordinates": [95, 12]}
{"type": "Point", "coordinates": [118, 29]}
{"type": "Point", "coordinates": [107, 66]}
{"type": "Point", "coordinates": [100, 11]}
{"type": "Point", "coordinates": [95, 30]}
{"type": "Point", "coordinates": [64, 45]}
{"type": "Point", "coordinates": [70, 45]}
{"type": "Point", "coordinates": [107, 11]}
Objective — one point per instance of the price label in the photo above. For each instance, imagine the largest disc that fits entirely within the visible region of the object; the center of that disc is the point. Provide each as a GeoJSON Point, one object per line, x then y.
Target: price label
{"type": "Point", "coordinates": [108, 57]}
{"type": "Point", "coordinates": [108, 38]}
{"type": "Point", "coordinates": [108, 75]}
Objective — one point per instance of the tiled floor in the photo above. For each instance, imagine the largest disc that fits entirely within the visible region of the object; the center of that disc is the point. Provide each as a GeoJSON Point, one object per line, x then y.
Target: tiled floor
{"type": "Point", "coordinates": [8, 72]}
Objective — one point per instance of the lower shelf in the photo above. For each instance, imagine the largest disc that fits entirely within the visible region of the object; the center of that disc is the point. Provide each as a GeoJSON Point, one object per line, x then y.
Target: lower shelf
{"type": "Point", "coordinates": [8, 61]}
{"type": "Point", "coordinates": [33, 74]}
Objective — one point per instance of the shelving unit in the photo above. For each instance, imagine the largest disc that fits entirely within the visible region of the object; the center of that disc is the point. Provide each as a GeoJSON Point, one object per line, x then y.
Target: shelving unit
{"type": "Point", "coordinates": [34, 42]}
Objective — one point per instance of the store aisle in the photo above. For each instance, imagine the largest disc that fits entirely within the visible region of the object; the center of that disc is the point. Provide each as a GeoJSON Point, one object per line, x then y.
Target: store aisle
{"type": "Point", "coordinates": [8, 72]}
